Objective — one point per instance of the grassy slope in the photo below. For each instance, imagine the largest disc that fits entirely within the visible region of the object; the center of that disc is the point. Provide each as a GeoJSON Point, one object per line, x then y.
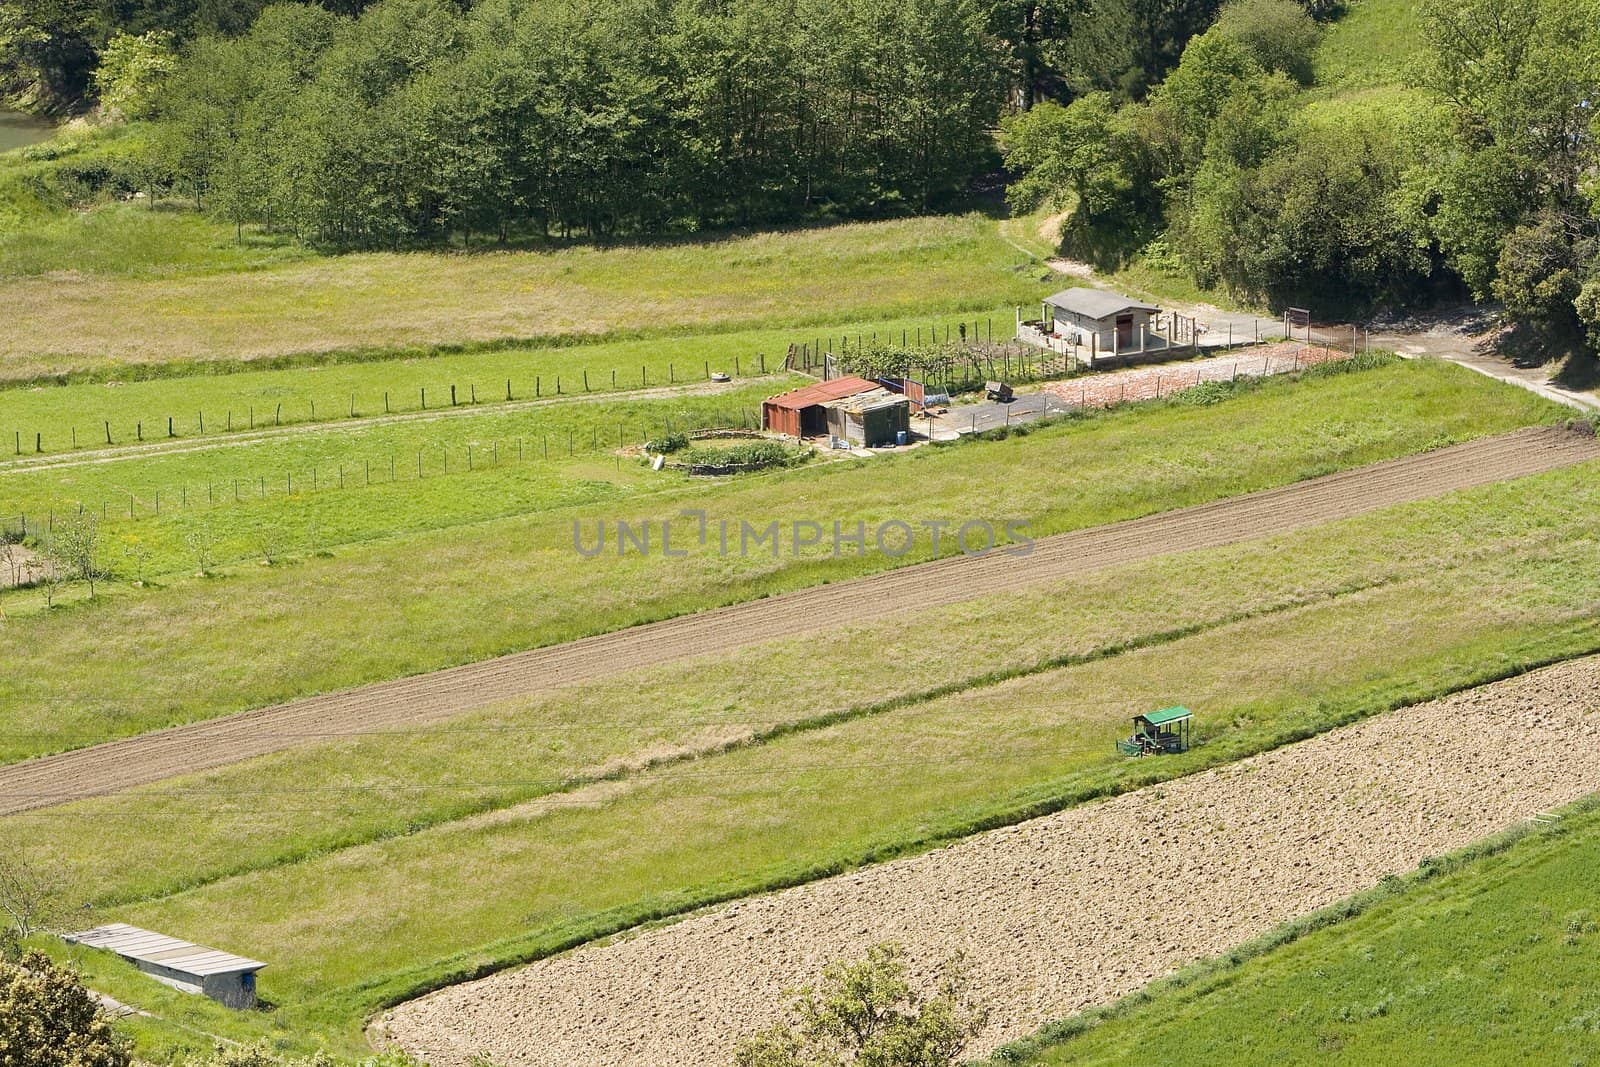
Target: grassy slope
{"type": "Point", "coordinates": [1373, 44]}
{"type": "Point", "coordinates": [522, 461]}
{"type": "Point", "coordinates": [928, 266]}
{"type": "Point", "coordinates": [312, 627]}
{"type": "Point", "coordinates": [1423, 598]}
{"type": "Point", "coordinates": [40, 235]}
{"type": "Point", "coordinates": [75, 416]}
{"type": "Point", "coordinates": [1487, 959]}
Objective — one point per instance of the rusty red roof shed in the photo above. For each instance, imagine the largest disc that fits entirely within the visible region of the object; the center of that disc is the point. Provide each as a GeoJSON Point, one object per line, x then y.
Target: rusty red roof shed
{"type": "Point", "coordinates": [799, 412]}
{"type": "Point", "coordinates": [821, 393]}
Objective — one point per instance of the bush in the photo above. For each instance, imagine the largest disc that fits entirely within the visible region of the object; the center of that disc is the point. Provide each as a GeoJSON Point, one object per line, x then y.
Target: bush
{"type": "Point", "coordinates": [752, 455]}
{"type": "Point", "coordinates": [672, 442]}
{"type": "Point", "coordinates": [1281, 34]}
{"type": "Point", "coordinates": [48, 1019]}
{"type": "Point", "coordinates": [867, 1012]}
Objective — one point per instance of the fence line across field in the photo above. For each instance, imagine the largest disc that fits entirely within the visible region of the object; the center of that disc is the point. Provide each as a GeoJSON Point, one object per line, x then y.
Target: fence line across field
{"type": "Point", "coordinates": [392, 468]}
{"type": "Point", "coordinates": [587, 381]}
{"type": "Point", "coordinates": [537, 447]}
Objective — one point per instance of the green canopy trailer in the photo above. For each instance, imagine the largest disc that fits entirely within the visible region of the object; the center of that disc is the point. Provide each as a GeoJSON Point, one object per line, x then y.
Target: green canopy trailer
{"type": "Point", "coordinates": [1167, 730]}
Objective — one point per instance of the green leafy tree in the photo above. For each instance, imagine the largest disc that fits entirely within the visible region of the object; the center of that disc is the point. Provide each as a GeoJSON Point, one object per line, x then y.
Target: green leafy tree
{"type": "Point", "coordinates": [866, 1013]}
{"type": "Point", "coordinates": [1214, 69]}
{"type": "Point", "coordinates": [1073, 153]}
{"type": "Point", "coordinates": [1509, 203]}
{"type": "Point", "coordinates": [45, 48]}
{"type": "Point", "coordinates": [1127, 46]}
{"type": "Point", "coordinates": [48, 1019]}
{"type": "Point", "coordinates": [76, 545]}
{"type": "Point", "coordinates": [1280, 34]}
{"type": "Point", "coordinates": [418, 120]}
{"type": "Point", "coordinates": [132, 70]}
{"type": "Point", "coordinates": [1037, 34]}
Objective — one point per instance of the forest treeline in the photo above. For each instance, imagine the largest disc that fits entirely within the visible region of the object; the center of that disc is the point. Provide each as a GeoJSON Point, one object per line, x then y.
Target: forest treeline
{"type": "Point", "coordinates": [415, 120]}
{"type": "Point", "coordinates": [407, 120]}
{"type": "Point", "coordinates": [1480, 174]}
{"type": "Point", "coordinates": [1188, 133]}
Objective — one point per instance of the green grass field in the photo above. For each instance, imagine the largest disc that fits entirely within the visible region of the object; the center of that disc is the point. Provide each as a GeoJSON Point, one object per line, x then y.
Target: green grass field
{"type": "Point", "coordinates": [51, 420]}
{"type": "Point", "coordinates": [1373, 43]}
{"type": "Point", "coordinates": [312, 627]}
{"type": "Point", "coordinates": [311, 492]}
{"type": "Point", "coordinates": [379, 866]}
{"type": "Point", "coordinates": [1484, 958]}
{"type": "Point", "coordinates": [349, 877]}
{"type": "Point", "coordinates": [359, 305]}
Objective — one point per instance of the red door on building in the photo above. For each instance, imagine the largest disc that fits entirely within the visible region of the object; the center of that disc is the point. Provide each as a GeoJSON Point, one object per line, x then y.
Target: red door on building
{"type": "Point", "coordinates": [1124, 332]}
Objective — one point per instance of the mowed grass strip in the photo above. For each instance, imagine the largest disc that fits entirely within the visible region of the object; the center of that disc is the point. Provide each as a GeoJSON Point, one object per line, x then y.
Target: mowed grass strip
{"type": "Point", "coordinates": [363, 926]}
{"type": "Point", "coordinates": [391, 608]}
{"type": "Point", "coordinates": [1481, 958]}
{"type": "Point", "coordinates": [928, 266]}
{"type": "Point", "coordinates": [312, 491]}
{"type": "Point", "coordinates": [187, 831]}
{"type": "Point", "coordinates": [51, 420]}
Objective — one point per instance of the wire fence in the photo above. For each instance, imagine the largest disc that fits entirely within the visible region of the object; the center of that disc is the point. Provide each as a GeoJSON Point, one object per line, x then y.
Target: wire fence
{"type": "Point", "coordinates": [68, 434]}
{"type": "Point", "coordinates": [1010, 360]}
{"type": "Point", "coordinates": [414, 466]}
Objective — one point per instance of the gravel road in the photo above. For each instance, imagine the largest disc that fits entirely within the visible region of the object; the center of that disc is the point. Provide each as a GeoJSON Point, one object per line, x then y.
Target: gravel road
{"type": "Point", "coordinates": [118, 765]}
{"type": "Point", "coordinates": [1062, 912]}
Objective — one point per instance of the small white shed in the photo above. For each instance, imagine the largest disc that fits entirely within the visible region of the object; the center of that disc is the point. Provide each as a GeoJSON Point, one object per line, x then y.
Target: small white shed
{"type": "Point", "coordinates": [1101, 320]}
{"type": "Point", "coordinates": [192, 968]}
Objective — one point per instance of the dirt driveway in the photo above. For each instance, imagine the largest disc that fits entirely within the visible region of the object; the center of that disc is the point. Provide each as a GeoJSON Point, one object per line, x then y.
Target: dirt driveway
{"type": "Point", "coordinates": [118, 765]}
{"type": "Point", "coordinates": [1063, 912]}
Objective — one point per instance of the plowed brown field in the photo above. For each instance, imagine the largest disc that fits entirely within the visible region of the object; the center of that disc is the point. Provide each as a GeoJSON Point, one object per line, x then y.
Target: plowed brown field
{"type": "Point", "coordinates": [118, 765]}
{"type": "Point", "coordinates": [1063, 912]}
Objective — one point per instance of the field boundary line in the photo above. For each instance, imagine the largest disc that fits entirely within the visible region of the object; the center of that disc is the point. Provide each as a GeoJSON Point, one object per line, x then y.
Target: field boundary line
{"type": "Point", "coordinates": [116, 765]}
{"type": "Point", "coordinates": [194, 443]}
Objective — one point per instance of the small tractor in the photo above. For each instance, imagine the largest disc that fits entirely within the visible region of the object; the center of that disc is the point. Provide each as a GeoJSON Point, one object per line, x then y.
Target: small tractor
{"type": "Point", "coordinates": [1164, 731]}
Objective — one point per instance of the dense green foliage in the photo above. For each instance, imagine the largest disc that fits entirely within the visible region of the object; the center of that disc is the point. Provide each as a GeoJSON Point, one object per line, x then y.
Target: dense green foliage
{"type": "Point", "coordinates": [409, 120]}
{"type": "Point", "coordinates": [1513, 202]}
{"type": "Point", "coordinates": [748, 455]}
{"type": "Point", "coordinates": [49, 49]}
{"type": "Point", "coordinates": [1480, 175]}
{"type": "Point", "coordinates": [415, 120]}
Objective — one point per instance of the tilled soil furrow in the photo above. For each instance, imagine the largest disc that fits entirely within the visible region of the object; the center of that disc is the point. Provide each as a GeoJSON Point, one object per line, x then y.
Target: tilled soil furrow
{"type": "Point", "coordinates": [118, 765]}
{"type": "Point", "coordinates": [1063, 912]}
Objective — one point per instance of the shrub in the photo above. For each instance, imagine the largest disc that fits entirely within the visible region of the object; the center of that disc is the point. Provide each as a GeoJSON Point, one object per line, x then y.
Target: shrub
{"type": "Point", "coordinates": [866, 1012]}
{"type": "Point", "coordinates": [48, 1019]}
{"type": "Point", "coordinates": [672, 442]}
{"type": "Point", "coordinates": [753, 455]}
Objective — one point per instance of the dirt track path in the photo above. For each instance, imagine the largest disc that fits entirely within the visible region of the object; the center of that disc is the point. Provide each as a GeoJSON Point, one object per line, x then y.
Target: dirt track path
{"type": "Point", "coordinates": [118, 765]}
{"type": "Point", "coordinates": [1063, 912]}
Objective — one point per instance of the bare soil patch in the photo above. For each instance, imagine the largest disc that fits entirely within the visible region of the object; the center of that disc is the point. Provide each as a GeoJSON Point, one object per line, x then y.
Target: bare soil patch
{"type": "Point", "coordinates": [1150, 383]}
{"type": "Point", "coordinates": [20, 565]}
{"type": "Point", "coordinates": [119, 765]}
{"type": "Point", "coordinates": [1063, 912]}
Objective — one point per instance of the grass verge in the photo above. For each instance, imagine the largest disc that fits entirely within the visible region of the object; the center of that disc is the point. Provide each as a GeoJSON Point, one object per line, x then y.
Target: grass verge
{"type": "Point", "coordinates": [1484, 956]}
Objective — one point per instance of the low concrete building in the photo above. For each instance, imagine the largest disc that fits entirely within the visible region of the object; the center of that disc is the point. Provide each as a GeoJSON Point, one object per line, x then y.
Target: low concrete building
{"type": "Point", "coordinates": [870, 419]}
{"type": "Point", "coordinates": [1101, 321]}
{"type": "Point", "coordinates": [221, 976]}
